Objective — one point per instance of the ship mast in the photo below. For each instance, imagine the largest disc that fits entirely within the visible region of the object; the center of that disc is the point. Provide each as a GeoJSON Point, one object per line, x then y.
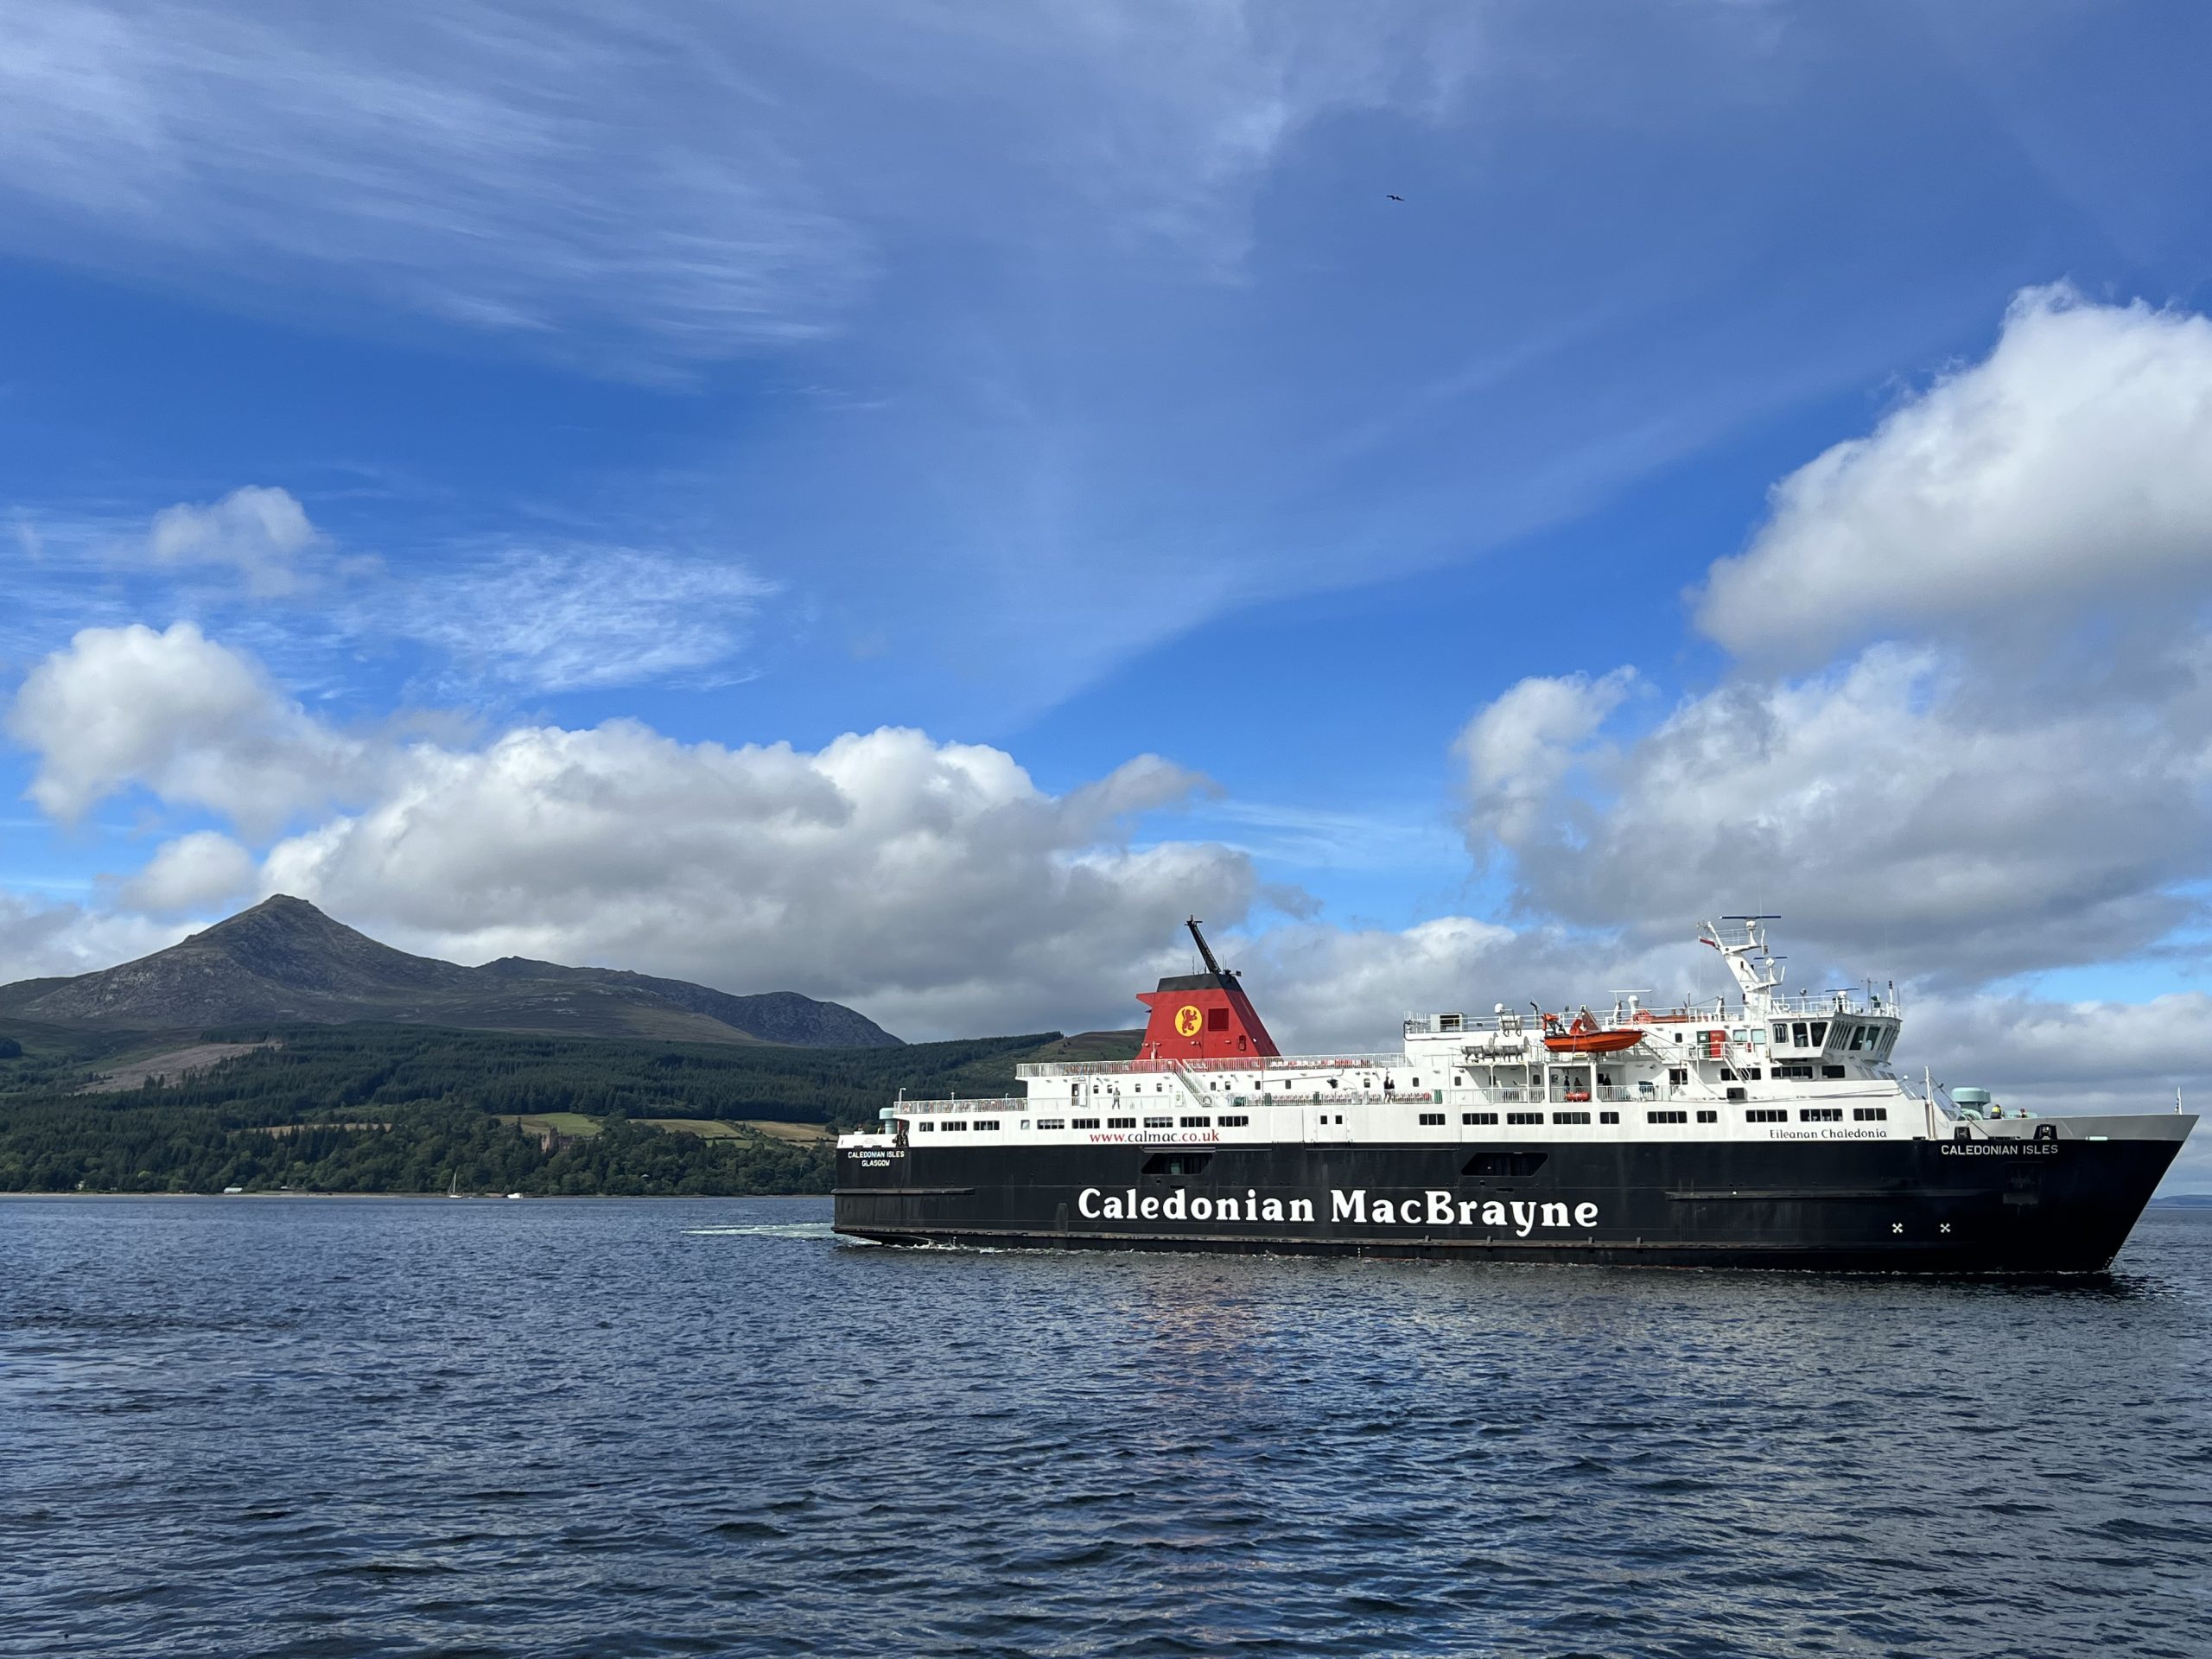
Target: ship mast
{"type": "Point", "coordinates": [1742, 947]}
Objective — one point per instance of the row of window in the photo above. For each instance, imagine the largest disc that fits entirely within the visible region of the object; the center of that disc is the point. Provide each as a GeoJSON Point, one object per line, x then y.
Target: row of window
{"type": "Point", "coordinates": [1818, 1115]}
{"type": "Point", "coordinates": [1435, 1120]}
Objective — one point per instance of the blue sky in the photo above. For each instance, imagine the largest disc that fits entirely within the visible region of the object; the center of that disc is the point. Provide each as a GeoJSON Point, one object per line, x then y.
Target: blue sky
{"type": "Point", "coordinates": [1065, 384]}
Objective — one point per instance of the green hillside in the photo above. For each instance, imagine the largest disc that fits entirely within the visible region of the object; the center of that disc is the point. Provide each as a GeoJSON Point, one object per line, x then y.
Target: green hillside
{"type": "Point", "coordinates": [391, 1108]}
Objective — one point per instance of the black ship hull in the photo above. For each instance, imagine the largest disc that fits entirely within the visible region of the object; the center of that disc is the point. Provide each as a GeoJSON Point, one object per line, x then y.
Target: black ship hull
{"type": "Point", "coordinates": [2008, 1205]}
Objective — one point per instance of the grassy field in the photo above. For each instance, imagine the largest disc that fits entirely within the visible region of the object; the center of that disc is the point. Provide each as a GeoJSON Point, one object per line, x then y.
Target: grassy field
{"type": "Point", "coordinates": [552, 1122]}
{"type": "Point", "coordinates": [801, 1135]}
{"type": "Point", "coordinates": [707, 1129]}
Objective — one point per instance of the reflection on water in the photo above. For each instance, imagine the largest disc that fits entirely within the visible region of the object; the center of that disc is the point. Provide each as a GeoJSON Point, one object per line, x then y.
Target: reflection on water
{"type": "Point", "coordinates": [677, 1426]}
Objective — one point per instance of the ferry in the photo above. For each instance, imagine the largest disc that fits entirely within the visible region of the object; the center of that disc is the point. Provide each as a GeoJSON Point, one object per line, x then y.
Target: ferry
{"type": "Point", "coordinates": [1769, 1128]}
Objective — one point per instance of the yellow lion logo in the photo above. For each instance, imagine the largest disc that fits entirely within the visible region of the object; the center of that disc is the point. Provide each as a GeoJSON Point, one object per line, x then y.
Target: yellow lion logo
{"type": "Point", "coordinates": [1188, 1020]}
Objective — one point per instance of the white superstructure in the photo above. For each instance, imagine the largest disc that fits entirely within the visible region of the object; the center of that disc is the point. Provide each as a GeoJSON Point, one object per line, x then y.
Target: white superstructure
{"type": "Point", "coordinates": [1765, 1065]}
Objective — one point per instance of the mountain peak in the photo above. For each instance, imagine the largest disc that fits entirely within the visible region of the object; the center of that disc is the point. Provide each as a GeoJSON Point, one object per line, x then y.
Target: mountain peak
{"type": "Point", "coordinates": [280, 910]}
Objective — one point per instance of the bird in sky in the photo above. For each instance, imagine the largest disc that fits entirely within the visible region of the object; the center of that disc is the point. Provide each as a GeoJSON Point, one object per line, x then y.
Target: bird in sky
{"type": "Point", "coordinates": [1397, 198]}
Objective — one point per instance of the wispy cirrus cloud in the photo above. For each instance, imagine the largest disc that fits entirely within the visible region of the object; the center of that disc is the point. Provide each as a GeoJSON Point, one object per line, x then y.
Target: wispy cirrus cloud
{"type": "Point", "coordinates": [470, 161]}
{"type": "Point", "coordinates": [579, 616]}
{"type": "Point", "coordinates": [646, 189]}
{"type": "Point", "coordinates": [534, 617]}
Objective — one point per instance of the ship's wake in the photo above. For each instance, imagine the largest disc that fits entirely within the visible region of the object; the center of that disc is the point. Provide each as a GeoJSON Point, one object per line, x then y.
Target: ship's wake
{"type": "Point", "coordinates": [765, 1230]}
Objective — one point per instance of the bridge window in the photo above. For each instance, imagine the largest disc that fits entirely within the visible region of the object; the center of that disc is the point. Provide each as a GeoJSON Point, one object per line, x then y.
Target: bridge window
{"type": "Point", "coordinates": [1781, 1032]}
{"type": "Point", "coordinates": [1820, 1033]}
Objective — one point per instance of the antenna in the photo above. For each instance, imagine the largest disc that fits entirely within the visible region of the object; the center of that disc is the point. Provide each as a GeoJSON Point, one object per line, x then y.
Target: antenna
{"type": "Point", "coordinates": [1205, 950]}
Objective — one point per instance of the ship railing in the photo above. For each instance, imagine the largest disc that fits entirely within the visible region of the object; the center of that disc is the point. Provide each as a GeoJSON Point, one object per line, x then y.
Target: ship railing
{"type": "Point", "coordinates": [1719, 1011]}
{"type": "Point", "coordinates": [1226, 1063]}
{"type": "Point", "coordinates": [1824, 1005]}
{"type": "Point", "coordinates": [1000, 1103]}
{"type": "Point", "coordinates": [1526, 1027]}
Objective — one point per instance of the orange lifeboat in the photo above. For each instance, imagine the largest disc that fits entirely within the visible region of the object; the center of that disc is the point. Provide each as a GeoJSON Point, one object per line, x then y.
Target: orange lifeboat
{"type": "Point", "coordinates": [1585, 1036]}
{"type": "Point", "coordinates": [1592, 1042]}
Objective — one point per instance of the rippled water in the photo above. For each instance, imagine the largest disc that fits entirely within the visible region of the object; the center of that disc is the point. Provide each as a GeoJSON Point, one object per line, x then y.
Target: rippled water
{"type": "Point", "coordinates": [337, 1428]}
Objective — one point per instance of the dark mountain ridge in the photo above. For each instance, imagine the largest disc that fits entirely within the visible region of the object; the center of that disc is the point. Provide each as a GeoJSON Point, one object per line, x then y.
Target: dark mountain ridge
{"type": "Point", "coordinates": [284, 961]}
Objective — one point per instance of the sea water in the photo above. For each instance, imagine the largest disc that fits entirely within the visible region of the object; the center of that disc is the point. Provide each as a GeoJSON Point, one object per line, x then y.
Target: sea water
{"type": "Point", "coordinates": [334, 1427]}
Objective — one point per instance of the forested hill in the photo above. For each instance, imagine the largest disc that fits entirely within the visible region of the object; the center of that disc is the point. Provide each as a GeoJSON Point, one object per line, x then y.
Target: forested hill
{"type": "Point", "coordinates": [393, 1108]}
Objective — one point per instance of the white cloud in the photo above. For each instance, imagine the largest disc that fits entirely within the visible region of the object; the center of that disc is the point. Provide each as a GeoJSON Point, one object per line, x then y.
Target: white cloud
{"type": "Point", "coordinates": [1520, 748]}
{"type": "Point", "coordinates": [40, 941]}
{"type": "Point", "coordinates": [259, 531]}
{"type": "Point", "coordinates": [1322, 989]}
{"type": "Point", "coordinates": [193, 873]}
{"type": "Point", "coordinates": [1942, 807]}
{"type": "Point", "coordinates": [174, 712]}
{"type": "Point", "coordinates": [933, 884]}
{"type": "Point", "coordinates": [2067, 469]}
{"type": "Point", "coordinates": [1902, 823]}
